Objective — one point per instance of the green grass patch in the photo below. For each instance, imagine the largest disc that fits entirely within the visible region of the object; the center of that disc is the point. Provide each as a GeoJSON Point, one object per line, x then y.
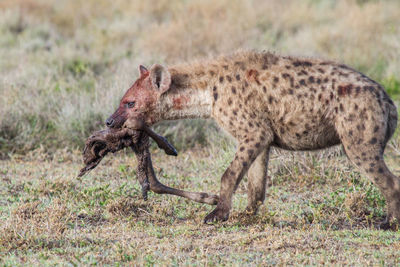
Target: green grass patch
{"type": "Point", "coordinates": [392, 86]}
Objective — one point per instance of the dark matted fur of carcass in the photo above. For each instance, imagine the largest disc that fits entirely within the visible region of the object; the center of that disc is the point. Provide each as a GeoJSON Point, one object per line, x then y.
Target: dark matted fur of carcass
{"type": "Point", "coordinates": [100, 143]}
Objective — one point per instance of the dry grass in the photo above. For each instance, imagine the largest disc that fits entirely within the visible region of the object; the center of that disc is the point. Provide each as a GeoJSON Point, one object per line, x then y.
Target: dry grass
{"type": "Point", "coordinates": [28, 222]}
{"type": "Point", "coordinates": [65, 64]}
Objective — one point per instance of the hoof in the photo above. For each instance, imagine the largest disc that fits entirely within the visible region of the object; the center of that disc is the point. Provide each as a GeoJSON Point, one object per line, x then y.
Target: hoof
{"type": "Point", "coordinates": [213, 199]}
{"type": "Point", "coordinates": [205, 198]}
{"type": "Point", "coordinates": [145, 189]}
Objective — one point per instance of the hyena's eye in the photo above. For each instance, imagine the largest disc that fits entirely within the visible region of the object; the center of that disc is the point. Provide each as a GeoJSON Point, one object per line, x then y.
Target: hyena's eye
{"type": "Point", "coordinates": [130, 105]}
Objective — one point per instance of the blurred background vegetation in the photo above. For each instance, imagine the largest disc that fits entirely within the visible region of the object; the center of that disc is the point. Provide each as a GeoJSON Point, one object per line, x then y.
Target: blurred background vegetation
{"type": "Point", "coordinates": [65, 64]}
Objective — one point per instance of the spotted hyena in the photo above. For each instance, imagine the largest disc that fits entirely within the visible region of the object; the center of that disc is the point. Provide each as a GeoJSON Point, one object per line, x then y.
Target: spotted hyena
{"type": "Point", "coordinates": [263, 100]}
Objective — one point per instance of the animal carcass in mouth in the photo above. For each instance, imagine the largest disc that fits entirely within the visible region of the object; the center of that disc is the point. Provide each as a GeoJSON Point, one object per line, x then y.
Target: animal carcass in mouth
{"type": "Point", "coordinates": [100, 143]}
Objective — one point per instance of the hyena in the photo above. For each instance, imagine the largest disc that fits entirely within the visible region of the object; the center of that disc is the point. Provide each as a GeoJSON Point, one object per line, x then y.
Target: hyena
{"type": "Point", "coordinates": [263, 100]}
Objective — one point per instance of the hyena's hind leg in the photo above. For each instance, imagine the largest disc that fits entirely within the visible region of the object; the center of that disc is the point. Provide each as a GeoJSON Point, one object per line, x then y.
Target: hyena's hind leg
{"type": "Point", "coordinates": [257, 182]}
{"type": "Point", "coordinates": [376, 170]}
{"type": "Point", "coordinates": [365, 147]}
{"type": "Point", "coordinates": [393, 199]}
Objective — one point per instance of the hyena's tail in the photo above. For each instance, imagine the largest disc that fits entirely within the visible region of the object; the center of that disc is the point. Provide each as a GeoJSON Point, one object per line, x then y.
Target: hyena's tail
{"type": "Point", "coordinates": [392, 120]}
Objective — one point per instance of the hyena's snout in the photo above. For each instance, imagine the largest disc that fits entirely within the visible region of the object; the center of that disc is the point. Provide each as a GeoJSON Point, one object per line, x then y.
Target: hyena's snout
{"type": "Point", "coordinates": [110, 122]}
{"type": "Point", "coordinates": [116, 120]}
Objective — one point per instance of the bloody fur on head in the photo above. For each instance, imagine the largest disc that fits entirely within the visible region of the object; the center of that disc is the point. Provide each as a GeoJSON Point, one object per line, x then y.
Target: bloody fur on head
{"type": "Point", "coordinates": [138, 105]}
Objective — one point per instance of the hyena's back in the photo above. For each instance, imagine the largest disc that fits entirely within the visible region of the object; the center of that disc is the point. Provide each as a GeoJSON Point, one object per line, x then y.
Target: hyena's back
{"type": "Point", "coordinates": [313, 104]}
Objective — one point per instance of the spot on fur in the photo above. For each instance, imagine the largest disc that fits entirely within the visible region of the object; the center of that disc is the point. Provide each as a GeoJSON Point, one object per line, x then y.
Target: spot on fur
{"type": "Point", "coordinates": [345, 89]}
{"type": "Point", "coordinates": [252, 75]}
{"type": "Point", "coordinates": [233, 90]}
{"type": "Point", "coordinates": [270, 99]}
{"type": "Point", "coordinates": [215, 96]}
{"type": "Point", "coordinates": [302, 63]}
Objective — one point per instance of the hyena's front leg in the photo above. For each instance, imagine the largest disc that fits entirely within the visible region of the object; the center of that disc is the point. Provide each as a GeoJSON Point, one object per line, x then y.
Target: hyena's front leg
{"type": "Point", "coordinates": [247, 152]}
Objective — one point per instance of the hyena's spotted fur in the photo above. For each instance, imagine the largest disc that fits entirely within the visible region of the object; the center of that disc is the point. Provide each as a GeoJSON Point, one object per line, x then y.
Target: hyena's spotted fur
{"type": "Point", "coordinates": [265, 100]}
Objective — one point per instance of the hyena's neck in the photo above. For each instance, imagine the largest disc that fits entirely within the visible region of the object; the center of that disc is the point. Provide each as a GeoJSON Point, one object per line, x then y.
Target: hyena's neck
{"type": "Point", "coordinates": [190, 94]}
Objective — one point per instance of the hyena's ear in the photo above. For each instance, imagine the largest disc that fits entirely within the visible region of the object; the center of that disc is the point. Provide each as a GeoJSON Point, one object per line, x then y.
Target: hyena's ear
{"type": "Point", "coordinates": [143, 70]}
{"type": "Point", "coordinates": [160, 78]}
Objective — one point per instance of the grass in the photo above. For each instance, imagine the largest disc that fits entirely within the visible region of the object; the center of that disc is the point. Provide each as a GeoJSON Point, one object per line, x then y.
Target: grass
{"type": "Point", "coordinates": [319, 210]}
{"type": "Point", "coordinates": [65, 64]}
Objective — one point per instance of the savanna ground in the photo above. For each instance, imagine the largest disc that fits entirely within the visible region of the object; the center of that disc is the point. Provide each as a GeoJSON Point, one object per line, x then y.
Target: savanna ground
{"type": "Point", "coordinates": [65, 64]}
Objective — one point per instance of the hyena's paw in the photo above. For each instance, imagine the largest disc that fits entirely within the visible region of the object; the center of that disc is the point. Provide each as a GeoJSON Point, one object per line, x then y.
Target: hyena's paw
{"type": "Point", "coordinates": [217, 215]}
{"type": "Point", "coordinates": [249, 211]}
{"type": "Point", "coordinates": [252, 208]}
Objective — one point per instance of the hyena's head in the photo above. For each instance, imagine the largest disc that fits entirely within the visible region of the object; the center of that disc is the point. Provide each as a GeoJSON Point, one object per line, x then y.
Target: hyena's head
{"type": "Point", "coordinates": [139, 103]}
